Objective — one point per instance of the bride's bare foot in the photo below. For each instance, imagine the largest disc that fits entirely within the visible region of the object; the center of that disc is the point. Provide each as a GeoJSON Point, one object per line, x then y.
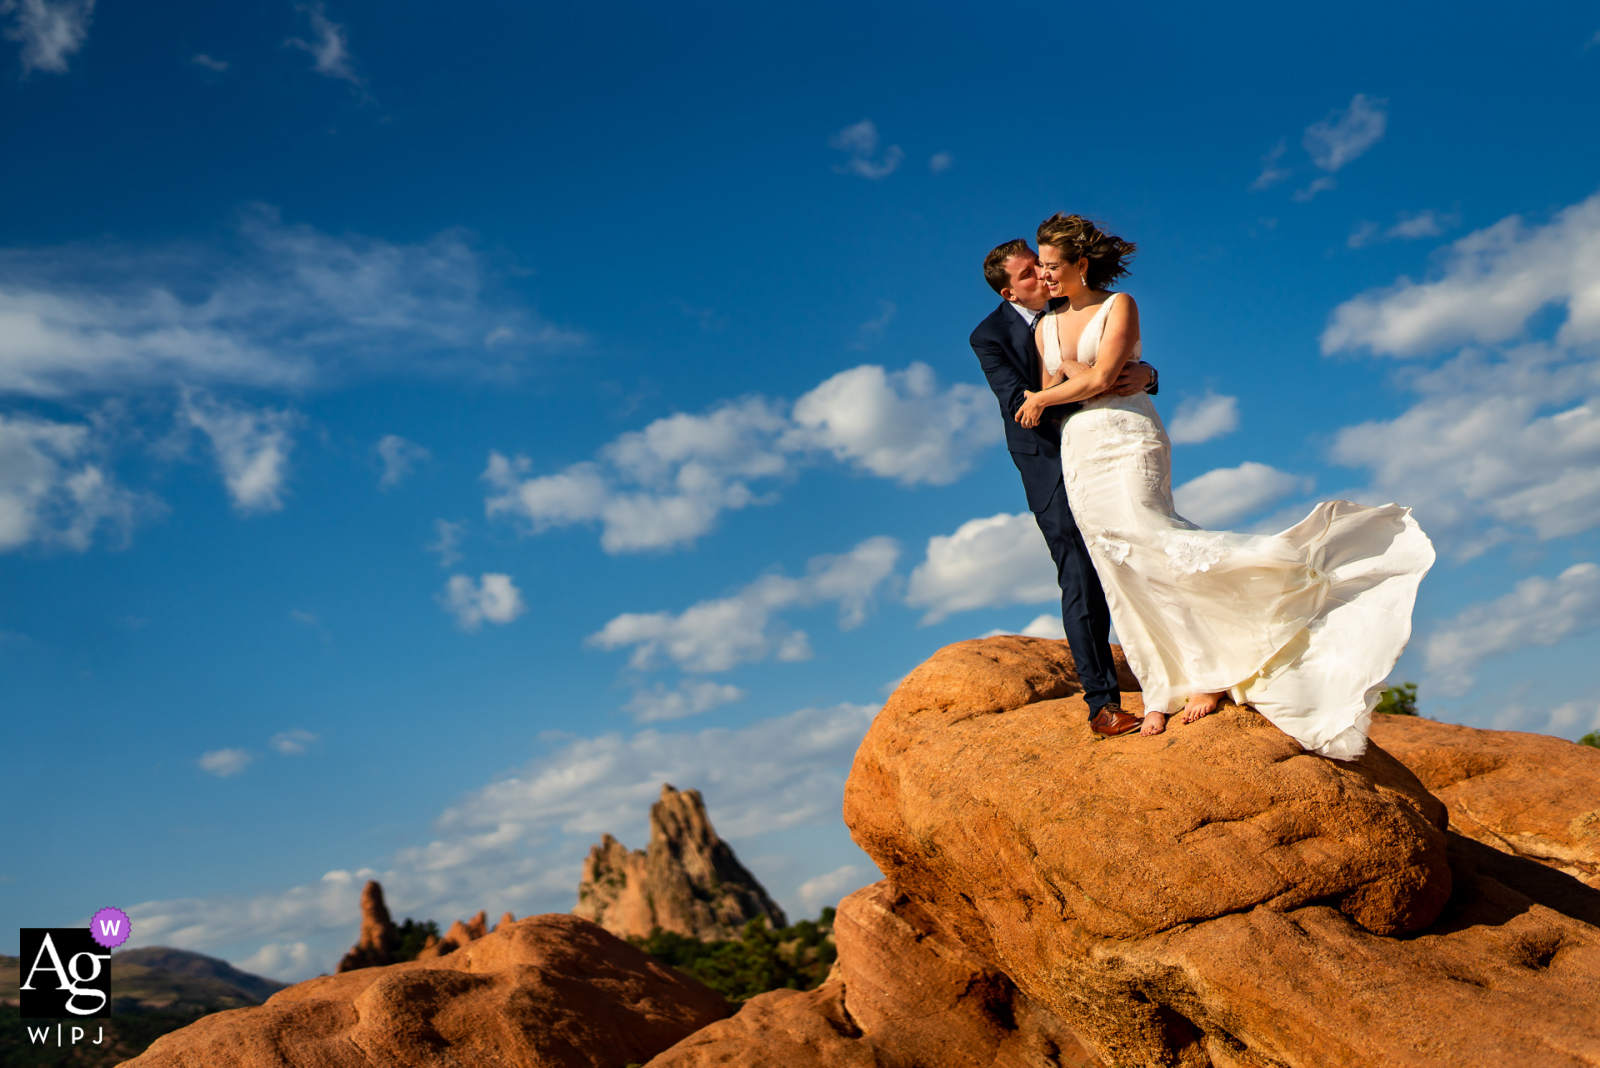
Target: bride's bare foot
{"type": "Point", "coordinates": [1154, 723]}
{"type": "Point", "coordinates": [1200, 705]}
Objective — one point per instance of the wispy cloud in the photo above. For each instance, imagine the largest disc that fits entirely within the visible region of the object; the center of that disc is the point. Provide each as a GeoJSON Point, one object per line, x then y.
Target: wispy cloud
{"type": "Point", "coordinates": [1272, 169]}
{"type": "Point", "coordinates": [493, 598]}
{"type": "Point", "coordinates": [225, 762]}
{"type": "Point", "coordinates": [940, 162]}
{"type": "Point", "coordinates": [293, 742]}
{"type": "Point", "coordinates": [274, 305]}
{"type": "Point", "coordinates": [689, 698]}
{"type": "Point", "coordinates": [1540, 611]}
{"type": "Point", "coordinates": [1407, 227]}
{"type": "Point", "coordinates": [666, 485]}
{"type": "Point", "coordinates": [50, 31]}
{"type": "Point", "coordinates": [56, 490]}
{"type": "Point", "coordinates": [861, 143]}
{"type": "Point", "coordinates": [872, 330]}
{"type": "Point", "coordinates": [251, 446]}
{"type": "Point", "coordinates": [1318, 185]}
{"type": "Point", "coordinates": [215, 65]}
{"type": "Point", "coordinates": [1201, 419]}
{"type": "Point", "coordinates": [447, 541]}
{"type": "Point", "coordinates": [330, 46]}
{"type": "Point", "coordinates": [1346, 134]}
{"type": "Point", "coordinates": [399, 458]}
{"type": "Point", "coordinates": [745, 628]}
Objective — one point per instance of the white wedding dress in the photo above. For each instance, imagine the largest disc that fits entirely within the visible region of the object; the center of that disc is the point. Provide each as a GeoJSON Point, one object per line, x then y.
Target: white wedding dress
{"type": "Point", "coordinates": [1304, 626]}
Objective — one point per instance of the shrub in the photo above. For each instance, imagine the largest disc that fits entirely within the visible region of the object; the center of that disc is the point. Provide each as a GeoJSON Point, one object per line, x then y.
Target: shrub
{"type": "Point", "coordinates": [797, 957]}
{"type": "Point", "coordinates": [1398, 700]}
{"type": "Point", "coordinates": [412, 937]}
{"type": "Point", "coordinates": [1592, 738]}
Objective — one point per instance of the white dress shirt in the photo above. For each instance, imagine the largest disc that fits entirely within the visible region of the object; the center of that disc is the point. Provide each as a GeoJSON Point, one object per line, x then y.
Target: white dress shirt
{"type": "Point", "coordinates": [1029, 316]}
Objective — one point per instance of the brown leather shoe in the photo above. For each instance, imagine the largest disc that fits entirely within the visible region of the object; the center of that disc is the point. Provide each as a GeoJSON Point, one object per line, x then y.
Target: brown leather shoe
{"type": "Point", "coordinates": [1111, 721]}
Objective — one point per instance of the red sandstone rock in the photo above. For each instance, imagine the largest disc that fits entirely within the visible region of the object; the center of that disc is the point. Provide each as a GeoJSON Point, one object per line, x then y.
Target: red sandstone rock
{"type": "Point", "coordinates": [1529, 795]}
{"type": "Point", "coordinates": [505, 921]}
{"type": "Point", "coordinates": [688, 881]}
{"type": "Point", "coordinates": [378, 938]}
{"type": "Point", "coordinates": [548, 991]}
{"type": "Point", "coordinates": [1214, 896]}
{"type": "Point", "coordinates": [902, 994]}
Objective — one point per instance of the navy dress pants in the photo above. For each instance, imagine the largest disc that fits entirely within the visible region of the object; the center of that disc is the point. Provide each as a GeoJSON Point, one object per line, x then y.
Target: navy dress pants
{"type": "Point", "coordinates": [1084, 614]}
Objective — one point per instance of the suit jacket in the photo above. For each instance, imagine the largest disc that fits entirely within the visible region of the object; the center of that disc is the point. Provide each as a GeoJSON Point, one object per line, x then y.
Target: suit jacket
{"type": "Point", "coordinates": [1004, 346]}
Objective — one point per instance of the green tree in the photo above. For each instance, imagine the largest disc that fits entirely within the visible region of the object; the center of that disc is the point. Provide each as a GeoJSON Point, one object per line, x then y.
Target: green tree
{"type": "Point", "coordinates": [413, 935]}
{"type": "Point", "coordinates": [1398, 700]}
{"type": "Point", "coordinates": [1592, 739]}
{"type": "Point", "coordinates": [797, 957]}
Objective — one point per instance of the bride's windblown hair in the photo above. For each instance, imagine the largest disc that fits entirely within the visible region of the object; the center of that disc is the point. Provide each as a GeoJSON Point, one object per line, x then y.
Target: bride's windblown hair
{"type": "Point", "coordinates": [1077, 238]}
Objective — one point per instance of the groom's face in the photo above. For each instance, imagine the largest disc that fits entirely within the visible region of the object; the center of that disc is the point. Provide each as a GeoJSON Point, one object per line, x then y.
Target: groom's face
{"type": "Point", "coordinates": [1026, 288]}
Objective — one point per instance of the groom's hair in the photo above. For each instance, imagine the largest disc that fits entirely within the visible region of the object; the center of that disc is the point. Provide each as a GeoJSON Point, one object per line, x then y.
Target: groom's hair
{"type": "Point", "coordinates": [994, 264]}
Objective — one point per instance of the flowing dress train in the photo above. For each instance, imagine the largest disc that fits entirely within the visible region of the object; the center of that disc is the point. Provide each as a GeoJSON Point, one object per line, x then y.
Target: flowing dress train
{"type": "Point", "coordinates": [1304, 625]}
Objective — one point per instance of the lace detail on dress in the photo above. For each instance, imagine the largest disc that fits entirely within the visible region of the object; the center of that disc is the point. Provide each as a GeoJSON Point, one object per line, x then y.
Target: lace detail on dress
{"type": "Point", "coordinates": [1190, 553]}
{"type": "Point", "coordinates": [1111, 547]}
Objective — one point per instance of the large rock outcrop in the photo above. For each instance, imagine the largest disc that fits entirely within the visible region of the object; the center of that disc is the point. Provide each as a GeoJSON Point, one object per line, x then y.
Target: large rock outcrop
{"type": "Point", "coordinates": [687, 881]}
{"type": "Point", "coordinates": [544, 992]}
{"type": "Point", "coordinates": [376, 944]}
{"type": "Point", "coordinates": [903, 994]}
{"type": "Point", "coordinates": [1529, 795]}
{"type": "Point", "coordinates": [1214, 896]}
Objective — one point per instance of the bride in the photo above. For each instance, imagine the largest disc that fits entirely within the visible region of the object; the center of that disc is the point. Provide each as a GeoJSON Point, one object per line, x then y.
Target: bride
{"type": "Point", "coordinates": [1304, 626]}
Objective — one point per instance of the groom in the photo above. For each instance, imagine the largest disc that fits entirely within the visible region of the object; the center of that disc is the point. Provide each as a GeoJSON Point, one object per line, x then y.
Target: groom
{"type": "Point", "coordinates": [1004, 345]}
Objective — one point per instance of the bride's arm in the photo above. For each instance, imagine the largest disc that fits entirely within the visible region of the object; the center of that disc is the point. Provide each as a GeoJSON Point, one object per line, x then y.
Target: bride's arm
{"type": "Point", "coordinates": [1116, 346]}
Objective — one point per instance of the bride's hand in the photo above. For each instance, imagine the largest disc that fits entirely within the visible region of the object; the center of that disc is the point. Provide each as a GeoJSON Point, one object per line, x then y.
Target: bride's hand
{"type": "Point", "coordinates": [1031, 410]}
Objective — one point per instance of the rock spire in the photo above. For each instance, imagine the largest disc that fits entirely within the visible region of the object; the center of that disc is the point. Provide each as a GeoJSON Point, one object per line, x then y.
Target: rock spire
{"type": "Point", "coordinates": [687, 881]}
{"type": "Point", "coordinates": [378, 939]}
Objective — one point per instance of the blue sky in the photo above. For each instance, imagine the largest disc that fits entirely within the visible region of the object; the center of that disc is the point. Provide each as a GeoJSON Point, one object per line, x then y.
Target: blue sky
{"type": "Point", "coordinates": [422, 436]}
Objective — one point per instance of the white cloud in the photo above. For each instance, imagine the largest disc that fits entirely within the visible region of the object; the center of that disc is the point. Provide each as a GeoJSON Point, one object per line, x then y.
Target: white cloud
{"type": "Point", "coordinates": [1407, 227]}
{"type": "Point", "coordinates": [50, 31]}
{"type": "Point", "coordinates": [1319, 185]}
{"type": "Point", "coordinates": [688, 698]}
{"type": "Point", "coordinates": [224, 762]}
{"type": "Point", "coordinates": [51, 491]}
{"type": "Point", "coordinates": [1204, 418]}
{"type": "Point", "coordinates": [399, 458]}
{"type": "Point", "coordinates": [1221, 497]}
{"type": "Point", "coordinates": [1046, 625]}
{"type": "Point", "coordinates": [940, 162]}
{"type": "Point", "coordinates": [280, 960]}
{"type": "Point", "coordinates": [828, 889]}
{"type": "Point", "coordinates": [203, 60]}
{"type": "Point", "coordinates": [1572, 720]}
{"type": "Point", "coordinates": [251, 446]}
{"type": "Point", "coordinates": [861, 142]}
{"type": "Point", "coordinates": [1346, 134]}
{"type": "Point", "coordinates": [273, 305]}
{"type": "Point", "coordinates": [294, 742]}
{"type": "Point", "coordinates": [986, 563]}
{"type": "Point", "coordinates": [447, 541]}
{"type": "Point", "coordinates": [1271, 172]}
{"type": "Point", "coordinates": [871, 330]}
{"type": "Point", "coordinates": [898, 425]}
{"type": "Point", "coordinates": [494, 597]}
{"type": "Point", "coordinates": [720, 634]}
{"type": "Point", "coordinates": [1539, 611]}
{"type": "Point", "coordinates": [1500, 442]}
{"type": "Point", "coordinates": [1492, 282]}
{"type": "Point", "coordinates": [519, 843]}
{"type": "Point", "coordinates": [666, 485]}
{"type": "Point", "coordinates": [330, 51]}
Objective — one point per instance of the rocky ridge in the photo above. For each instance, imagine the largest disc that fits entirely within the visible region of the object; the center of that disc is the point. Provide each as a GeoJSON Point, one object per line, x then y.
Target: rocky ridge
{"type": "Point", "coordinates": [1217, 897]}
{"type": "Point", "coordinates": [687, 881]}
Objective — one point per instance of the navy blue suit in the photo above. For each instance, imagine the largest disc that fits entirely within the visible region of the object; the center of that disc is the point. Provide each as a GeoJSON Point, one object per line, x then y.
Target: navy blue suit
{"type": "Point", "coordinates": [1004, 345]}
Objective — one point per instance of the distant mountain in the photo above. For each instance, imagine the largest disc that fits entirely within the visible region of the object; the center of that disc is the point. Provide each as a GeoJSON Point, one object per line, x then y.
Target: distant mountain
{"type": "Point", "coordinates": [157, 977]}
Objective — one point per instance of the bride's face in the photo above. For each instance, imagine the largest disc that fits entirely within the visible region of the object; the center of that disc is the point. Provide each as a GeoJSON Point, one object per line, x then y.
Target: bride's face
{"type": "Point", "coordinates": [1062, 277]}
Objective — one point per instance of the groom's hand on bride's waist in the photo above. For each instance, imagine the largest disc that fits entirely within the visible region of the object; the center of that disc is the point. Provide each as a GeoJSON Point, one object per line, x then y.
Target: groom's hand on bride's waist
{"type": "Point", "coordinates": [1135, 378]}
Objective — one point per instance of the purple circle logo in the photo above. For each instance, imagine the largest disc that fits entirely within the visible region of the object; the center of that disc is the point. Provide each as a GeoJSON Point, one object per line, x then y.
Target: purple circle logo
{"type": "Point", "coordinates": [110, 927]}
